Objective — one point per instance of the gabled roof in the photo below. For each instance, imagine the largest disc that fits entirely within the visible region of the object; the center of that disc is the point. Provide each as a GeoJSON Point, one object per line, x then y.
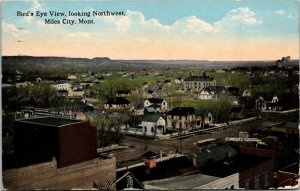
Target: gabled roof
{"type": "Point", "coordinates": [119, 184]}
{"type": "Point", "coordinates": [150, 109]}
{"type": "Point", "coordinates": [151, 118]}
{"type": "Point", "coordinates": [182, 111]}
{"type": "Point", "coordinates": [118, 100]}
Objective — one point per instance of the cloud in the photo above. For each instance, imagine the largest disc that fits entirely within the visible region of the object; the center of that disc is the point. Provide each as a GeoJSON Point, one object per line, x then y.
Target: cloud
{"type": "Point", "coordinates": [36, 3]}
{"type": "Point", "coordinates": [235, 19]}
{"type": "Point", "coordinates": [135, 21]}
{"type": "Point", "coordinates": [192, 24]}
{"type": "Point", "coordinates": [285, 14]}
{"type": "Point", "coordinates": [10, 28]}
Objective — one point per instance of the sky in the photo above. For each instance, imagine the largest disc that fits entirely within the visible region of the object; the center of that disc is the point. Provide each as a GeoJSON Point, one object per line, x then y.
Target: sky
{"type": "Point", "coordinates": [215, 30]}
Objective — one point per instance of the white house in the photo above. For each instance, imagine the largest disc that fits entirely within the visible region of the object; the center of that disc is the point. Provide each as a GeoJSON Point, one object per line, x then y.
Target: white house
{"type": "Point", "coordinates": [212, 92]}
{"type": "Point", "coordinates": [157, 103]}
{"type": "Point", "coordinates": [153, 124]}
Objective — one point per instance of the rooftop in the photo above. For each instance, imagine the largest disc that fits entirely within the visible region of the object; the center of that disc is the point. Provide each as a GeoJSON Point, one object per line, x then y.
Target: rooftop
{"type": "Point", "coordinates": [151, 117]}
{"type": "Point", "coordinates": [183, 182]}
{"type": "Point", "coordinates": [52, 121]}
{"type": "Point", "coordinates": [182, 111]}
{"type": "Point", "coordinates": [199, 78]}
{"type": "Point", "coordinates": [166, 169]}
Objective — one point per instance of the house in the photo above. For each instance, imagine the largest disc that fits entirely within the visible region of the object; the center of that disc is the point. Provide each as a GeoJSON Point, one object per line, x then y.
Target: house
{"type": "Point", "coordinates": [197, 83]}
{"type": "Point", "coordinates": [205, 116]}
{"type": "Point", "coordinates": [270, 102]}
{"type": "Point", "coordinates": [117, 103]}
{"type": "Point", "coordinates": [153, 124]}
{"type": "Point", "coordinates": [62, 86]}
{"type": "Point", "coordinates": [212, 92]}
{"type": "Point", "coordinates": [180, 118]}
{"type": "Point", "coordinates": [56, 153]}
{"type": "Point", "coordinates": [237, 112]}
{"type": "Point", "coordinates": [157, 103]}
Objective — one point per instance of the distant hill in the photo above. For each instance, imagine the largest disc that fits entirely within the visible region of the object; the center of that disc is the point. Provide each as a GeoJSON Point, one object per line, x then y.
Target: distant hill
{"type": "Point", "coordinates": [106, 64]}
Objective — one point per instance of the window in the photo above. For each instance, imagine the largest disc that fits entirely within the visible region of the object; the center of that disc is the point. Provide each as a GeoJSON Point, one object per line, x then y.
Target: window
{"type": "Point", "coordinates": [152, 129]}
{"type": "Point", "coordinates": [145, 128]}
{"type": "Point", "coordinates": [232, 187]}
{"type": "Point", "coordinates": [129, 181]}
{"type": "Point", "coordinates": [256, 186]}
{"type": "Point", "coordinates": [247, 185]}
{"type": "Point", "coordinates": [266, 178]}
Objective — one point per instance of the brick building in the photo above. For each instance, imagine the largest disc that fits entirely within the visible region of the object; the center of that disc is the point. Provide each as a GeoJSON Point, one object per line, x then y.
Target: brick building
{"type": "Point", "coordinates": [56, 153]}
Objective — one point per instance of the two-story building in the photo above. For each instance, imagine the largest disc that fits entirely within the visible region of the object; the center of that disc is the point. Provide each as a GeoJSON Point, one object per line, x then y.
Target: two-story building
{"type": "Point", "coordinates": [180, 118]}
{"type": "Point", "coordinates": [197, 83]}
